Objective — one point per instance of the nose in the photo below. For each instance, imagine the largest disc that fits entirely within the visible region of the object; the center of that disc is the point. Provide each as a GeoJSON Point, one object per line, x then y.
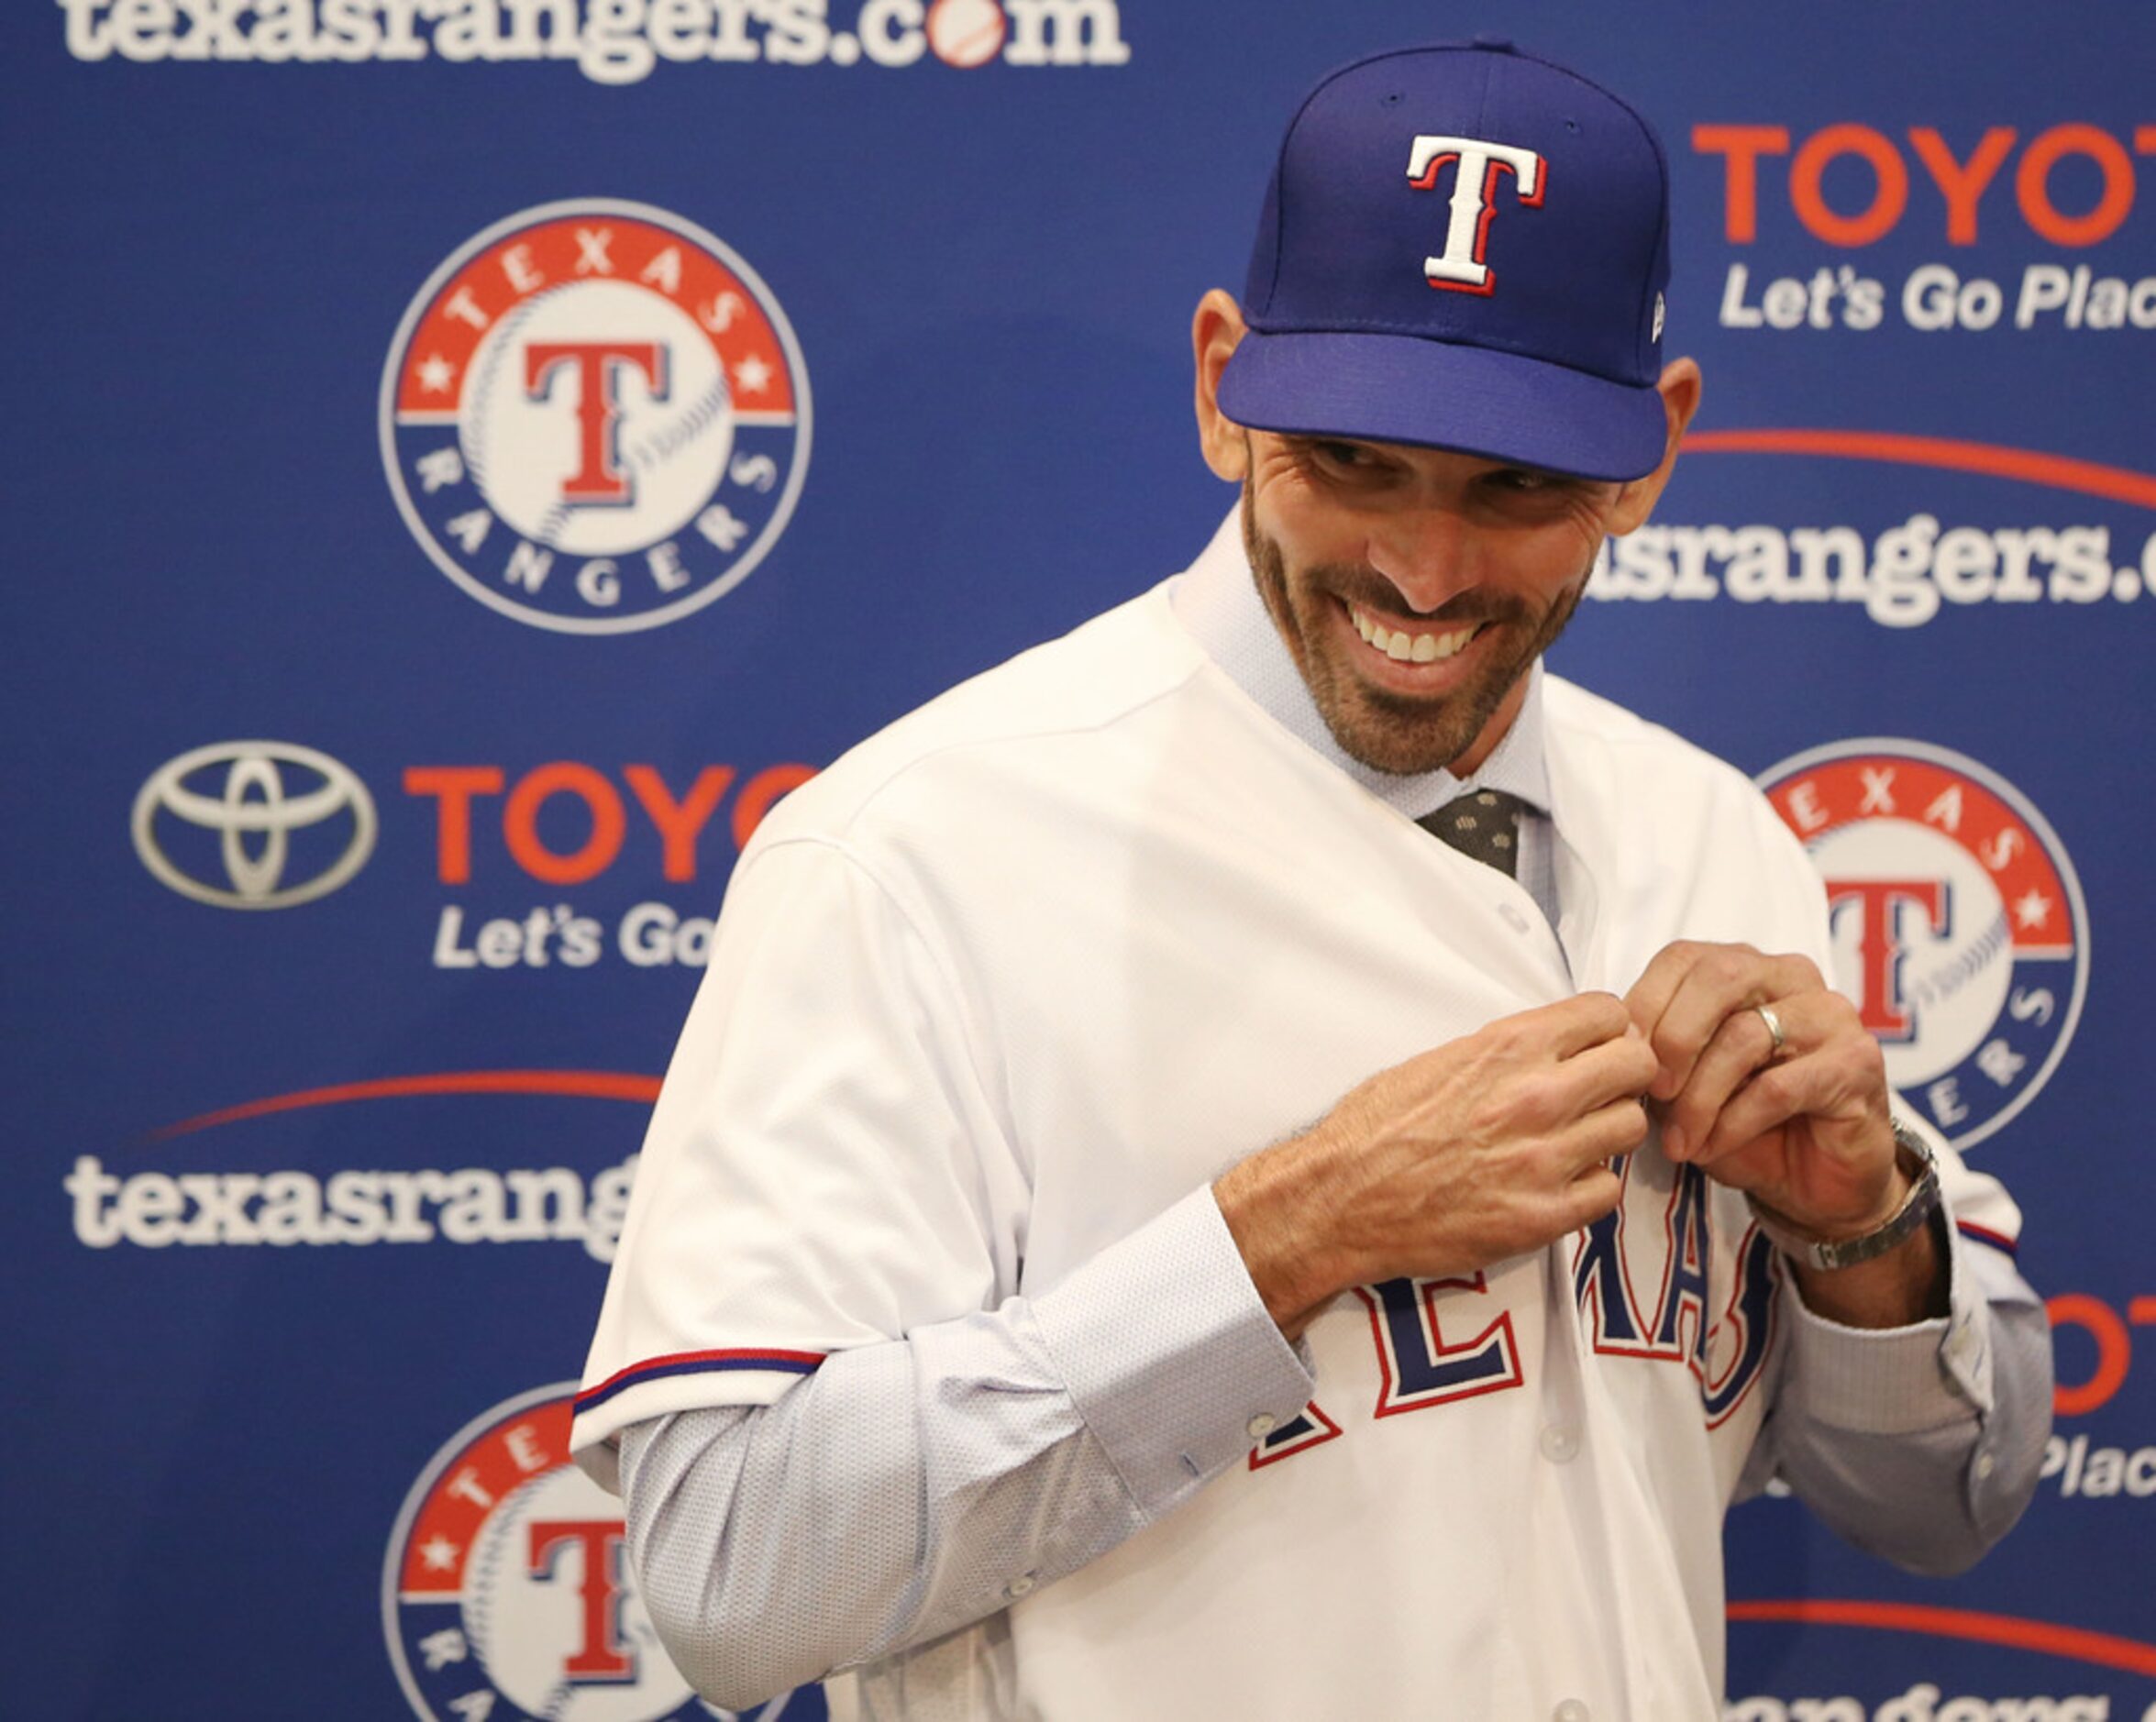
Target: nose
{"type": "Point", "coordinates": [1428, 554]}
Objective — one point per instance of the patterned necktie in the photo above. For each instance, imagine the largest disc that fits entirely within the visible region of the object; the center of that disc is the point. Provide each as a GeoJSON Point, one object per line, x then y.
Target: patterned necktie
{"type": "Point", "coordinates": [1484, 827]}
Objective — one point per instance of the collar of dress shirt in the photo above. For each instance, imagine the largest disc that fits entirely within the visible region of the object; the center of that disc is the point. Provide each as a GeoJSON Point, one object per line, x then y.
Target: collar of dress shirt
{"type": "Point", "coordinates": [1216, 599]}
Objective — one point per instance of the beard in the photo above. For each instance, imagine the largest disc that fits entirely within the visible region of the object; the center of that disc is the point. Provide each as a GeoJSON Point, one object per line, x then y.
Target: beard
{"type": "Point", "coordinates": [1403, 735]}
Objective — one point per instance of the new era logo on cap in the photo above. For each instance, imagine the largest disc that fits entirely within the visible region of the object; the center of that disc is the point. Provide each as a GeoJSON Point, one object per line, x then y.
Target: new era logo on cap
{"type": "Point", "coordinates": [1549, 253]}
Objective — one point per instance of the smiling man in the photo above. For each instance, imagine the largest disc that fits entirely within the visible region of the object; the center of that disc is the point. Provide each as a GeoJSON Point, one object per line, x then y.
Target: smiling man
{"type": "Point", "coordinates": [1271, 1154]}
{"type": "Point", "coordinates": [1456, 572]}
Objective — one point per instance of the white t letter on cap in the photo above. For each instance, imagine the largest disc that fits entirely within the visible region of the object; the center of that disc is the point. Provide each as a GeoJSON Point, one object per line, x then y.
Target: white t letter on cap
{"type": "Point", "coordinates": [1475, 183]}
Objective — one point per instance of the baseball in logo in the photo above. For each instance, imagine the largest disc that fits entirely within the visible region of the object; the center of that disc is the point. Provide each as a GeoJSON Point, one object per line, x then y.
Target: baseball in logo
{"type": "Point", "coordinates": [595, 417]}
{"type": "Point", "coordinates": [965, 33]}
{"type": "Point", "coordinates": [253, 824]}
{"type": "Point", "coordinates": [1958, 923]}
{"type": "Point", "coordinates": [506, 1592]}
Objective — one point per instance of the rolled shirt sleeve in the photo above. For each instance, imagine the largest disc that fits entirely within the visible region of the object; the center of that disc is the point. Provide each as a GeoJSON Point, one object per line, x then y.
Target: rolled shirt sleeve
{"type": "Point", "coordinates": [1922, 1443]}
{"type": "Point", "coordinates": [913, 1487]}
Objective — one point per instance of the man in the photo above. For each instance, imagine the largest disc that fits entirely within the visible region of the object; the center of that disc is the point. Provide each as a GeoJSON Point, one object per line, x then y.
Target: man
{"type": "Point", "coordinates": [1033, 1300]}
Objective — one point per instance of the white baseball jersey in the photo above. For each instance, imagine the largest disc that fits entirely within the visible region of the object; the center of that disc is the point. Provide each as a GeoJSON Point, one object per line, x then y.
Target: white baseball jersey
{"type": "Point", "coordinates": [1017, 974]}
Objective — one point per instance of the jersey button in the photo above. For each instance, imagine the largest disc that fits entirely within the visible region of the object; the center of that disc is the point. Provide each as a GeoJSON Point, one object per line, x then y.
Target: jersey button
{"type": "Point", "coordinates": [1020, 1586]}
{"type": "Point", "coordinates": [1261, 1426]}
{"type": "Point", "coordinates": [1561, 1446]}
{"type": "Point", "coordinates": [1571, 1710]}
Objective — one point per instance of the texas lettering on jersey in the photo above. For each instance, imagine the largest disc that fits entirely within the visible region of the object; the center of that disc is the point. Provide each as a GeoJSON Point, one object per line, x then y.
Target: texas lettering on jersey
{"type": "Point", "coordinates": [1726, 1350]}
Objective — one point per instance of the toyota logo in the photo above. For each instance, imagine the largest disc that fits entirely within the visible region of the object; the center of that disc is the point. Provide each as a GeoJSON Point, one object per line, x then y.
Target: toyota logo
{"type": "Point", "coordinates": [270, 793]}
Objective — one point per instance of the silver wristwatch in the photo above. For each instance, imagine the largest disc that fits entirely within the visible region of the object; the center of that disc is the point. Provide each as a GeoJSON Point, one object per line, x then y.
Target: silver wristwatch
{"type": "Point", "coordinates": [1914, 1156]}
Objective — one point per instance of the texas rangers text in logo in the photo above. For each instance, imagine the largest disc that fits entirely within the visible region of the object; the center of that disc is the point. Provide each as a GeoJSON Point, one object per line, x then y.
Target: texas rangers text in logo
{"type": "Point", "coordinates": [595, 417]}
{"type": "Point", "coordinates": [506, 1592]}
{"type": "Point", "coordinates": [1958, 923]}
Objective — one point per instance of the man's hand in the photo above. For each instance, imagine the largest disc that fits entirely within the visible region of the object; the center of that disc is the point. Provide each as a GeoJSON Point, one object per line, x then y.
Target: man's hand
{"type": "Point", "coordinates": [1479, 1150]}
{"type": "Point", "coordinates": [1803, 1128]}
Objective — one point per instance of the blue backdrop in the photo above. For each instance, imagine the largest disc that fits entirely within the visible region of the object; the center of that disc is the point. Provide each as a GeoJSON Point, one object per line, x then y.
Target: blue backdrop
{"type": "Point", "coordinates": [384, 716]}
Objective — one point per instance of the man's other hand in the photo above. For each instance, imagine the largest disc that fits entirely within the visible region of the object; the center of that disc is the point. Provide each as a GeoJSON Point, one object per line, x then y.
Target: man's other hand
{"type": "Point", "coordinates": [1802, 1126]}
{"type": "Point", "coordinates": [1798, 1120]}
{"type": "Point", "coordinates": [1479, 1150]}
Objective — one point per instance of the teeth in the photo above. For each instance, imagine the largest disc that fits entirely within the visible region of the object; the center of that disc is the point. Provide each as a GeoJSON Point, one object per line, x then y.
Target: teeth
{"type": "Point", "coordinates": [1409, 648]}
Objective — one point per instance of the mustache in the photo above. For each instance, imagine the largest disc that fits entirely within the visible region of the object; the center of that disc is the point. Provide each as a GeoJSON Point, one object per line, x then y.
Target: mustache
{"type": "Point", "coordinates": [1368, 590]}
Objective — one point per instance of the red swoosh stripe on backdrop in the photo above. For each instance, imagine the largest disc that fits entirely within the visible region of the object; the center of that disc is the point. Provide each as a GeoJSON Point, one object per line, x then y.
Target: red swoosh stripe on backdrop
{"type": "Point", "coordinates": [591, 1085]}
{"type": "Point", "coordinates": [2058, 472]}
{"type": "Point", "coordinates": [2075, 1642]}
{"type": "Point", "coordinates": [2116, 484]}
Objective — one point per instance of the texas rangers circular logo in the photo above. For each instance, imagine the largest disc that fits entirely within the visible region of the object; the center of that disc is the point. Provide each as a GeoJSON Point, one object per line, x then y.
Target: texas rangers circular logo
{"type": "Point", "coordinates": [595, 417]}
{"type": "Point", "coordinates": [1958, 923]}
{"type": "Point", "coordinates": [506, 1595]}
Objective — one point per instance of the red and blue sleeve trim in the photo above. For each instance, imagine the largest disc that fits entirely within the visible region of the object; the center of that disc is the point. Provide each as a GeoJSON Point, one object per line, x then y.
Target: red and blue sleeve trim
{"type": "Point", "coordinates": [1984, 1234]}
{"type": "Point", "coordinates": [696, 1363]}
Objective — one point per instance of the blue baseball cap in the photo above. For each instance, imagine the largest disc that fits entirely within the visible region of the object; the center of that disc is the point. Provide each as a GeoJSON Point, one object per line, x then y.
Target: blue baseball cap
{"type": "Point", "coordinates": [1463, 247]}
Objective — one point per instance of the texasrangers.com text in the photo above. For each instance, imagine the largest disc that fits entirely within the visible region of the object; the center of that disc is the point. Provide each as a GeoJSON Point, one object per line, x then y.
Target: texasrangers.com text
{"type": "Point", "coordinates": [1926, 1702]}
{"type": "Point", "coordinates": [610, 41]}
{"type": "Point", "coordinates": [155, 1210]}
{"type": "Point", "coordinates": [1901, 577]}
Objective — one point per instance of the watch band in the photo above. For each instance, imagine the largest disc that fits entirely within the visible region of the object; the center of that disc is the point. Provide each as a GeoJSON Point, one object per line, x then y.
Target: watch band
{"type": "Point", "coordinates": [1914, 1155]}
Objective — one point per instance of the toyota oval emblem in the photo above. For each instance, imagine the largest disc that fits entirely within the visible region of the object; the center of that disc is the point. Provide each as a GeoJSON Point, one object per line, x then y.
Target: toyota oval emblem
{"type": "Point", "coordinates": [254, 824]}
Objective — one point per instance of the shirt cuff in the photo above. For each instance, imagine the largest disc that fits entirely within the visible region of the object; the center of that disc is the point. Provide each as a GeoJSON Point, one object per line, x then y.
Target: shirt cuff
{"type": "Point", "coordinates": [1169, 1355]}
{"type": "Point", "coordinates": [1899, 1380]}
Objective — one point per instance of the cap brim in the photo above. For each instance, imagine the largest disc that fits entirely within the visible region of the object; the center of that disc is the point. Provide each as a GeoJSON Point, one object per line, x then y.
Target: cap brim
{"type": "Point", "coordinates": [1405, 388]}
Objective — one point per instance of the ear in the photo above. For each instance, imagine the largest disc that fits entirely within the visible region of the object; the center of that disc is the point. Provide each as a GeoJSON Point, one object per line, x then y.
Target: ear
{"type": "Point", "coordinates": [1680, 399]}
{"type": "Point", "coordinates": [1215, 332]}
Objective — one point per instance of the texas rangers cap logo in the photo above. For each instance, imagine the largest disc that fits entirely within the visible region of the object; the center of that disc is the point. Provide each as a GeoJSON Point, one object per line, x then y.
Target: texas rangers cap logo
{"type": "Point", "coordinates": [595, 417]}
{"type": "Point", "coordinates": [506, 1593]}
{"type": "Point", "coordinates": [1958, 923]}
{"type": "Point", "coordinates": [1476, 163]}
